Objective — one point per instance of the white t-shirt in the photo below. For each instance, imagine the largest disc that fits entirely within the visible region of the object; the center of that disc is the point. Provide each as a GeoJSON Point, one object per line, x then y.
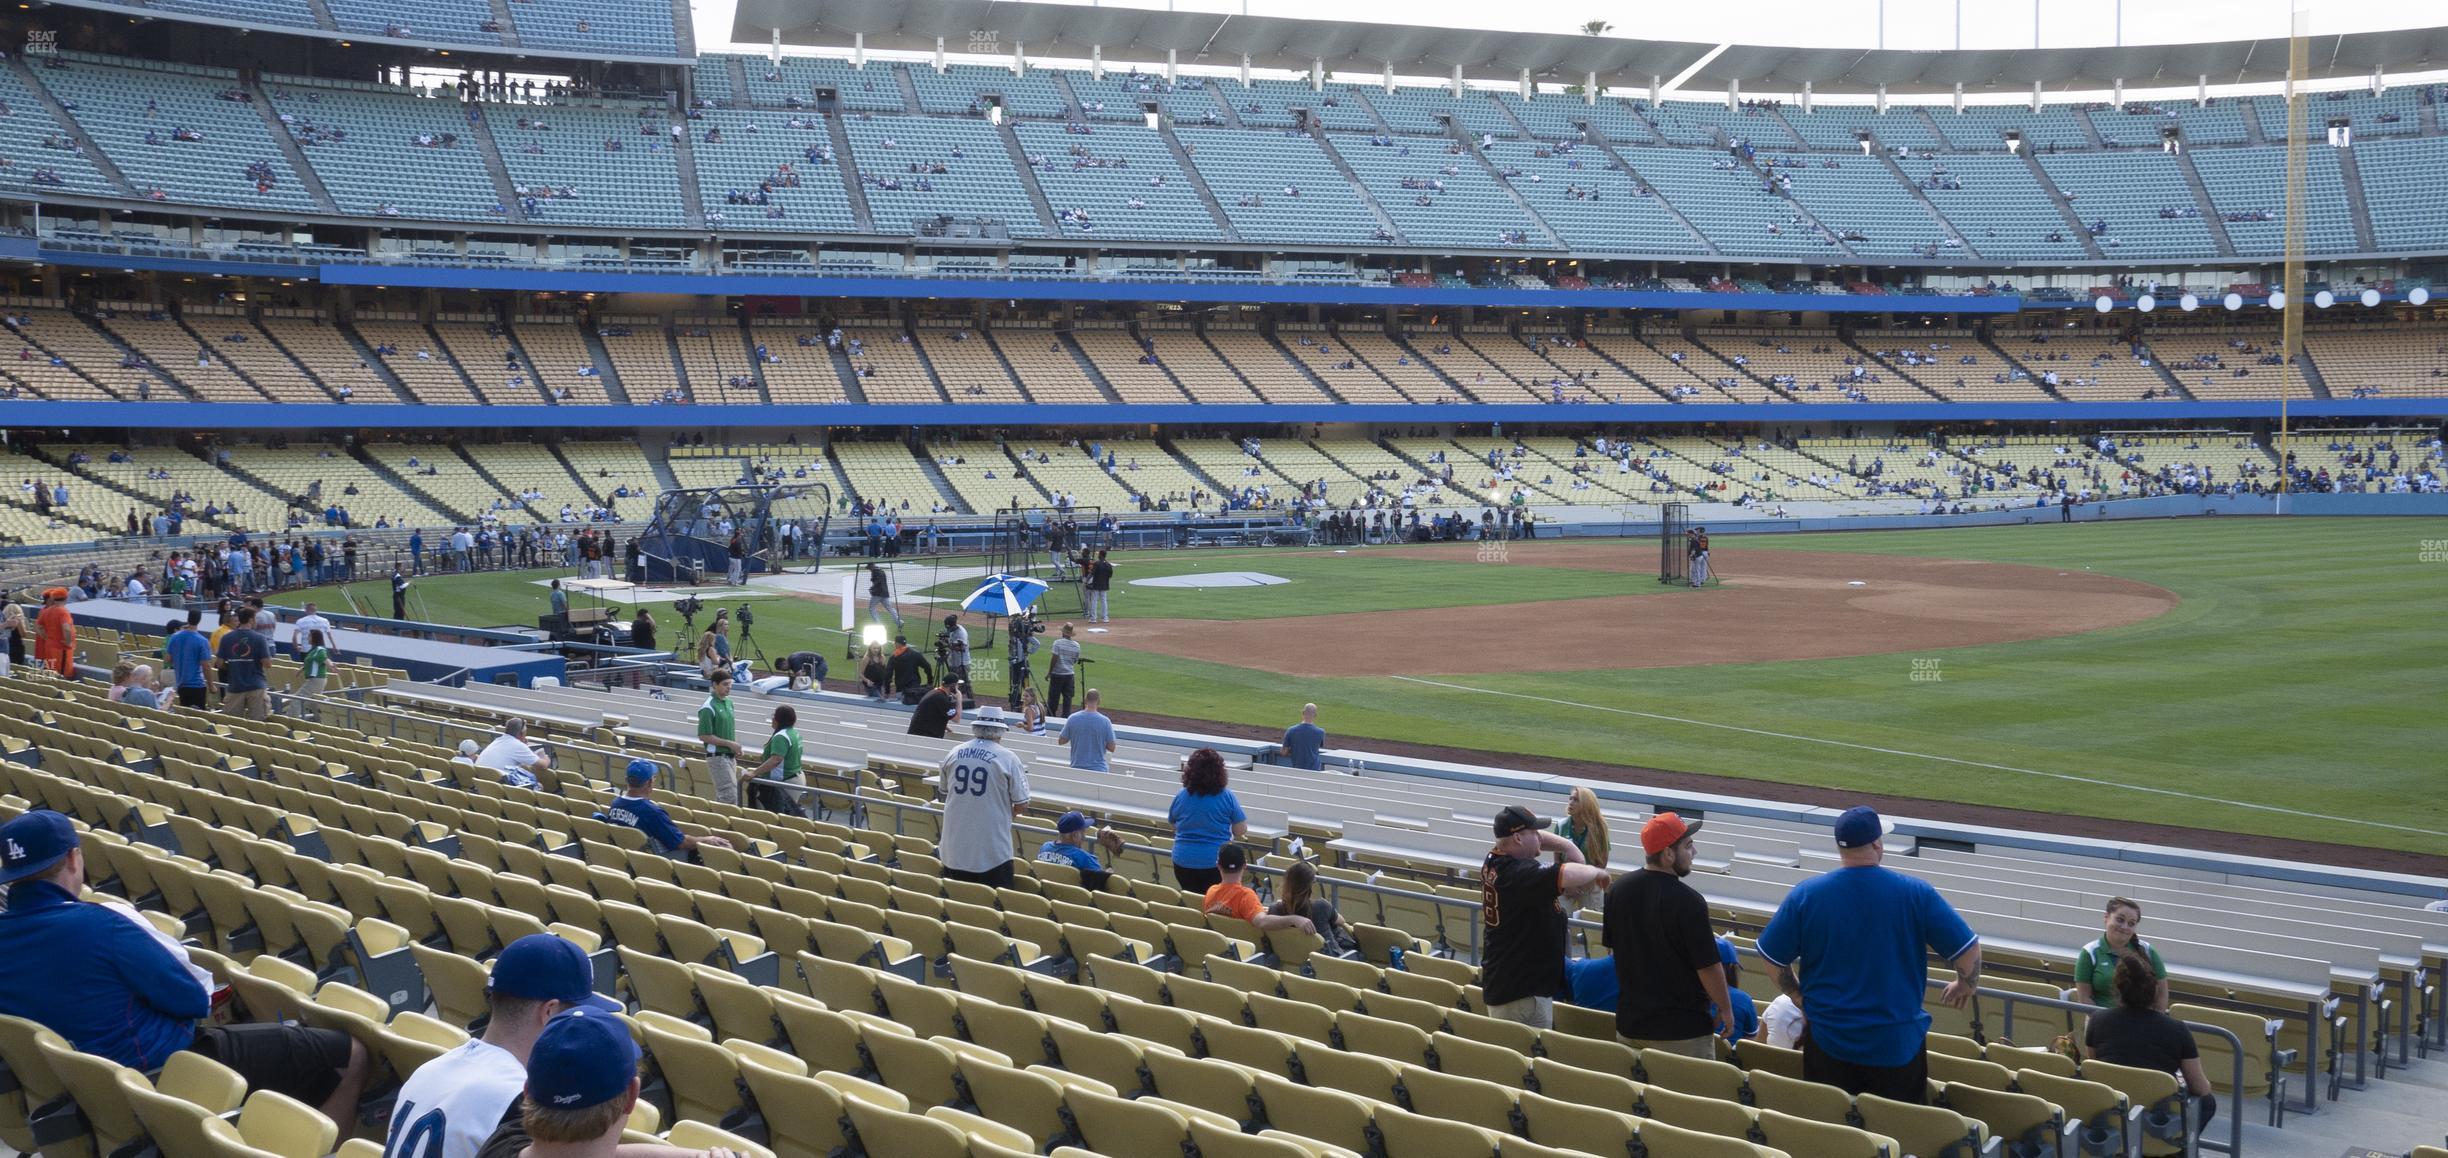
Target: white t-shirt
{"type": "Point", "coordinates": [511, 757]}
{"type": "Point", "coordinates": [451, 1104]}
{"type": "Point", "coordinates": [314, 622]}
{"type": "Point", "coordinates": [1784, 1021]}
{"type": "Point", "coordinates": [982, 782]}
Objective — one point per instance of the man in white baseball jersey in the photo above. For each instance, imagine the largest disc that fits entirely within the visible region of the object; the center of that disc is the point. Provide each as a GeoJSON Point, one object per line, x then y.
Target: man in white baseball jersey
{"type": "Point", "coordinates": [985, 787]}
{"type": "Point", "coordinates": [451, 1104]}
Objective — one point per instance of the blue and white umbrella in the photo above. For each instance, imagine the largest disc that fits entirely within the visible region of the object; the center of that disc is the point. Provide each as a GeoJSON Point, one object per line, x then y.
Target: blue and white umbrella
{"type": "Point", "coordinates": [1005, 595]}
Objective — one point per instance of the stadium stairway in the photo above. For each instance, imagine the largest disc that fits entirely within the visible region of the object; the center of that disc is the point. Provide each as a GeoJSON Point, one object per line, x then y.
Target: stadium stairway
{"type": "Point", "coordinates": [1897, 171]}
{"type": "Point", "coordinates": [281, 136]}
{"type": "Point", "coordinates": [1871, 359]}
{"type": "Point", "coordinates": [910, 103]}
{"type": "Point", "coordinates": [508, 21]}
{"type": "Point", "coordinates": [2057, 197]}
{"type": "Point", "coordinates": [1028, 178]}
{"type": "Point", "coordinates": [408, 491]}
{"type": "Point", "coordinates": [1470, 146]}
{"type": "Point", "coordinates": [1751, 165]}
{"type": "Point", "coordinates": [1207, 197]}
{"type": "Point", "coordinates": [1740, 371]}
{"type": "Point", "coordinates": [609, 374]}
{"type": "Point", "coordinates": [1088, 365]}
{"type": "Point", "coordinates": [2015, 363]}
{"type": "Point", "coordinates": [451, 357]}
{"type": "Point", "coordinates": [26, 335]}
{"type": "Point", "coordinates": [935, 476]}
{"type": "Point", "coordinates": [1655, 194]}
{"type": "Point", "coordinates": [1385, 221]}
{"type": "Point", "coordinates": [1190, 465]}
{"type": "Point", "coordinates": [1019, 381]}
{"type": "Point", "coordinates": [67, 124]}
{"type": "Point", "coordinates": [504, 189]}
{"type": "Point", "coordinates": [374, 362]}
{"type": "Point", "coordinates": [2090, 131]}
{"type": "Point", "coordinates": [323, 16]}
{"type": "Point", "coordinates": [2351, 173]}
{"type": "Point", "coordinates": [846, 164]}
{"type": "Point", "coordinates": [2209, 209]}
{"type": "Point", "coordinates": [2253, 133]}
{"type": "Point", "coordinates": [692, 199]}
{"type": "Point", "coordinates": [1315, 379]}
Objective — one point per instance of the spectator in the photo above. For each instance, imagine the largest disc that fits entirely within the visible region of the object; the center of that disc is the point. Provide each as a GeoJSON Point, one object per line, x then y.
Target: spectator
{"type": "Point", "coordinates": [1062, 674]}
{"type": "Point", "coordinates": [13, 625]}
{"type": "Point", "coordinates": [1304, 742]}
{"type": "Point", "coordinates": [520, 766]}
{"type": "Point", "coordinates": [635, 808]}
{"type": "Point", "coordinates": [1205, 816]}
{"type": "Point", "coordinates": [2137, 1033]}
{"type": "Point", "coordinates": [2096, 965]}
{"type": "Point", "coordinates": [186, 653]}
{"type": "Point", "coordinates": [123, 673]}
{"type": "Point", "coordinates": [55, 634]}
{"type": "Point", "coordinates": [1861, 936]}
{"type": "Point", "coordinates": [451, 1104]}
{"type": "Point", "coordinates": [582, 1085]}
{"type": "Point", "coordinates": [246, 659]}
{"type": "Point", "coordinates": [1088, 733]}
{"type": "Point", "coordinates": [936, 710]}
{"type": "Point", "coordinates": [1783, 1025]}
{"type": "Point", "coordinates": [103, 981]}
{"type": "Point", "coordinates": [874, 673]}
{"type": "Point", "coordinates": [985, 787]}
{"type": "Point", "coordinates": [1746, 1012]}
{"type": "Point", "coordinates": [1231, 898]}
{"type": "Point", "coordinates": [718, 730]}
{"type": "Point", "coordinates": [1299, 898]}
{"type": "Point", "coordinates": [1522, 962]}
{"type": "Point", "coordinates": [1666, 965]}
{"type": "Point", "coordinates": [642, 630]}
{"type": "Point", "coordinates": [1072, 835]}
{"type": "Point", "coordinates": [314, 670]}
{"type": "Point", "coordinates": [783, 751]}
{"type": "Point", "coordinates": [1586, 828]}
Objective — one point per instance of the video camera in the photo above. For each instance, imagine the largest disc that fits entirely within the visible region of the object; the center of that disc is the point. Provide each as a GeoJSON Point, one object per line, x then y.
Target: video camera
{"type": "Point", "coordinates": [688, 606]}
{"type": "Point", "coordinates": [747, 617]}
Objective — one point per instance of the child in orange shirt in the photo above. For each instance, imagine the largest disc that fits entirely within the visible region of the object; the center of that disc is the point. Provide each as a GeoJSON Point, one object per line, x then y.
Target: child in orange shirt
{"type": "Point", "coordinates": [1234, 899]}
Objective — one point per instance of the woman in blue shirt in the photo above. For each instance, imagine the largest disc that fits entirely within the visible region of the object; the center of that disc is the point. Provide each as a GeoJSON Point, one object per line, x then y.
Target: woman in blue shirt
{"type": "Point", "coordinates": [1205, 815]}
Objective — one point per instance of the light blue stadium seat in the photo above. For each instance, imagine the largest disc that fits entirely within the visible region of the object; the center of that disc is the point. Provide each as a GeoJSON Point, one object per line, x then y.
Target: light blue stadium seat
{"type": "Point", "coordinates": [2000, 208]}
{"type": "Point", "coordinates": [1728, 205]}
{"type": "Point", "coordinates": [711, 80]}
{"type": "Point", "coordinates": [1123, 97]}
{"type": "Point", "coordinates": [2401, 186]}
{"type": "Point", "coordinates": [109, 101]}
{"type": "Point", "coordinates": [378, 163]}
{"type": "Point", "coordinates": [639, 185]}
{"type": "Point", "coordinates": [2128, 190]}
{"type": "Point", "coordinates": [640, 27]}
{"type": "Point", "coordinates": [1259, 165]}
{"type": "Point", "coordinates": [2139, 125]}
{"type": "Point", "coordinates": [979, 182]}
{"type": "Point", "coordinates": [962, 88]}
{"type": "Point", "coordinates": [22, 132]}
{"type": "Point", "coordinates": [295, 12]}
{"type": "Point", "coordinates": [875, 88]}
{"type": "Point", "coordinates": [456, 21]}
{"type": "Point", "coordinates": [1838, 126]}
{"type": "Point", "coordinates": [1337, 106]}
{"type": "Point", "coordinates": [1618, 220]}
{"type": "Point", "coordinates": [754, 147]}
{"type": "Point", "coordinates": [1559, 116]}
{"type": "Point", "coordinates": [1169, 208]}
{"type": "Point", "coordinates": [1984, 127]}
{"type": "Point", "coordinates": [1471, 210]}
{"type": "Point", "coordinates": [1859, 196]}
{"type": "Point", "coordinates": [2254, 179]}
{"type": "Point", "coordinates": [2395, 113]}
{"type": "Point", "coordinates": [1409, 109]}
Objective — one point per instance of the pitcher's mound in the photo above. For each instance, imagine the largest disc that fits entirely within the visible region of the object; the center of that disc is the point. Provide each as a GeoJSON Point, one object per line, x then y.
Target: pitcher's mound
{"type": "Point", "coordinates": [1203, 579]}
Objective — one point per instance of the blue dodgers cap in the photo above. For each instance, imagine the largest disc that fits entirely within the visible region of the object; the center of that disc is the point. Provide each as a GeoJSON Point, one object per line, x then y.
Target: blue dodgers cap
{"type": "Point", "coordinates": [1071, 822]}
{"type": "Point", "coordinates": [642, 771]}
{"type": "Point", "coordinates": [1859, 826]}
{"type": "Point", "coordinates": [545, 967]}
{"type": "Point", "coordinates": [583, 1058]}
{"type": "Point", "coordinates": [31, 844]}
{"type": "Point", "coordinates": [1726, 954]}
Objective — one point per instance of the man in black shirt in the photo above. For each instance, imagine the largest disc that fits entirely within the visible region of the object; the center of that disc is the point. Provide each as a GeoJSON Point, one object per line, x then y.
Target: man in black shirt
{"type": "Point", "coordinates": [1100, 589]}
{"type": "Point", "coordinates": [933, 716]}
{"type": "Point", "coordinates": [1521, 965]}
{"type": "Point", "coordinates": [1666, 963]}
{"type": "Point", "coordinates": [910, 670]}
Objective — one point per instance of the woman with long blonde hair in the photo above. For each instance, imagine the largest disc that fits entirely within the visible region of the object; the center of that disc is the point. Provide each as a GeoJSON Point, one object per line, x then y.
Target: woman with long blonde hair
{"type": "Point", "coordinates": [1586, 827]}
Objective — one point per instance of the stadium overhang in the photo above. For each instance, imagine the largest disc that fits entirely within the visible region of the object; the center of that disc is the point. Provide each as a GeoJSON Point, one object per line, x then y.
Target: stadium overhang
{"type": "Point", "coordinates": [1216, 40]}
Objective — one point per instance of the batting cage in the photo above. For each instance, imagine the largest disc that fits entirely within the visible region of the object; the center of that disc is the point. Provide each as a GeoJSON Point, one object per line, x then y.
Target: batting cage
{"type": "Point", "coordinates": [1674, 564]}
{"type": "Point", "coordinates": [688, 538]}
{"type": "Point", "coordinates": [1046, 543]}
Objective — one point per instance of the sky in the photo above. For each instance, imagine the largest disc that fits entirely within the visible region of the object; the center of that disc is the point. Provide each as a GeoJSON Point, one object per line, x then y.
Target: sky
{"type": "Point", "coordinates": [1895, 24]}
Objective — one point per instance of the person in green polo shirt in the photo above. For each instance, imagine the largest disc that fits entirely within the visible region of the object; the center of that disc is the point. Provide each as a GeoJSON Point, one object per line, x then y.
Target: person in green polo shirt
{"type": "Point", "coordinates": [315, 673]}
{"type": "Point", "coordinates": [782, 752]}
{"type": "Point", "coordinates": [718, 730]}
{"type": "Point", "coordinates": [2095, 966]}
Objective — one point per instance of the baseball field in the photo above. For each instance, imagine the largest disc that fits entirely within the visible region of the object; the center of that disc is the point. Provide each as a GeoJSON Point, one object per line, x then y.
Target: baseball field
{"type": "Point", "coordinates": [2272, 685]}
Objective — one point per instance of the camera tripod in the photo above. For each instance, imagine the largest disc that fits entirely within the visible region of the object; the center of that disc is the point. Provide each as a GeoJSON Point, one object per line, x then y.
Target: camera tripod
{"type": "Point", "coordinates": [748, 644]}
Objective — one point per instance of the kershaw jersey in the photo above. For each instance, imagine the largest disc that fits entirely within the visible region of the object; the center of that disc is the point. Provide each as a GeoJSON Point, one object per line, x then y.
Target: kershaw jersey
{"type": "Point", "coordinates": [451, 1104]}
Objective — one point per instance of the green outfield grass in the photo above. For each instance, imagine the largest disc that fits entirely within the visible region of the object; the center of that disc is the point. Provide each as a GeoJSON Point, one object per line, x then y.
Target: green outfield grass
{"type": "Point", "coordinates": [2296, 691]}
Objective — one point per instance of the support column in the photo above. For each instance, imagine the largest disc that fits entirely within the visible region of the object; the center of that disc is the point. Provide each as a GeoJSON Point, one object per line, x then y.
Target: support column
{"type": "Point", "coordinates": [1882, 98]}
{"type": "Point", "coordinates": [1096, 61]}
{"type": "Point", "coordinates": [1457, 82]}
{"type": "Point", "coordinates": [773, 49]}
{"type": "Point", "coordinates": [1589, 87]}
{"type": "Point", "coordinates": [1657, 84]}
{"type": "Point", "coordinates": [1019, 57]}
{"type": "Point", "coordinates": [1389, 77]}
{"type": "Point", "coordinates": [1245, 70]}
{"type": "Point", "coordinates": [2035, 105]}
{"type": "Point", "coordinates": [2201, 91]}
{"type": "Point", "coordinates": [1806, 98]}
{"type": "Point", "coordinates": [1733, 92]}
{"type": "Point", "coordinates": [939, 54]}
{"type": "Point", "coordinates": [1527, 89]}
{"type": "Point", "coordinates": [2379, 80]}
{"type": "Point", "coordinates": [1317, 74]}
{"type": "Point", "coordinates": [858, 48]}
{"type": "Point", "coordinates": [2120, 93]}
{"type": "Point", "coordinates": [1959, 96]}
{"type": "Point", "coordinates": [1173, 66]}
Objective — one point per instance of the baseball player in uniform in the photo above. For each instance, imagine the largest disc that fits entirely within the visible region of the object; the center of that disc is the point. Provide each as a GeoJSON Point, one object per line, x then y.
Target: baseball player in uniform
{"type": "Point", "coordinates": [985, 787]}
{"type": "Point", "coordinates": [451, 1104]}
{"type": "Point", "coordinates": [1699, 548]}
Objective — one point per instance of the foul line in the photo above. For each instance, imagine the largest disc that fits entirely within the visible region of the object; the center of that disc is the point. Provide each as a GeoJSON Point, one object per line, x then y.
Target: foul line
{"type": "Point", "coordinates": [2066, 776]}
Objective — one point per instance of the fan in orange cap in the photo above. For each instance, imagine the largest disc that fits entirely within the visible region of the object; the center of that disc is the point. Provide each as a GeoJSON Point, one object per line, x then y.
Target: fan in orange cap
{"type": "Point", "coordinates": [55, 634]}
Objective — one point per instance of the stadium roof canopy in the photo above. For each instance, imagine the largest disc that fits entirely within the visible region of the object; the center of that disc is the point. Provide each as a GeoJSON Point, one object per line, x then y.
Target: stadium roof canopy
{"type": "Point", "coordinates": [991, 27]}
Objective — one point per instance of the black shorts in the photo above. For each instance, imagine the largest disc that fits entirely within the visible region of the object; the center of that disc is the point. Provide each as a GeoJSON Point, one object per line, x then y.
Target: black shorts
{"type": "Point", "coordinates": [191, 697]}
{"type": "Point", "coordinates": [998, 877]}
{"type": "Point", "coordinates": [296, 1060]}
{"type": "Point", "coordinates": [1197, 880]}
{"type": "Point", "coordinates": [1905, 1083]}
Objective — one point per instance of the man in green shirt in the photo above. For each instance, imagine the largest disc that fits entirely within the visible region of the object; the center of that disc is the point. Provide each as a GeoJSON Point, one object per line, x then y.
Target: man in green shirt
{"type": "Point", "coordinates": [783, 749]}
{"type": "Point", "coordinates": [719, 732]}
{"type": "Point", "coordinates": [316, 673]}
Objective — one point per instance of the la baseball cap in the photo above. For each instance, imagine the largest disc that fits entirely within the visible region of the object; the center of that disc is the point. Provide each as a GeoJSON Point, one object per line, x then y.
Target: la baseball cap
{"type": "Point", "coordinates": [31, 844]}
{"type": "Point", "coordinates": [1230, 857]}
{"type": "Point", "coordinates": [642, 771]}
{"type": "Point", "coordinates": [1071, 822]}
{"type": "Point", "coordinates": [1663, 830]}
{"type": "Point", "coordinates": [583, 1058]}
{"type": "Point", "coordinates": [1514, 818]}
{"type": "Point", "coordinates": [1860, 825]}
{"type": "Point", "coordinates": [1726, 954]}
{"type": "Point", "coordinates": [545, 967]}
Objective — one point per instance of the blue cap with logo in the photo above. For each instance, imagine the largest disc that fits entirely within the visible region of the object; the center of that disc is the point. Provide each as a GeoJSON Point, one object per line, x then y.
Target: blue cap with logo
{"type": "Point", "coordinates": [31, 844]}
{"type": "Point", "coordinates": [583, 1058]}
{"type": "Point", "coordinates": [1071, 822]}
{"type": "Point", "coordinates": [545, 967]}
{"type": "Point", "coordinates": [642, 771]}
{"type": "Point", "coordinates": [1860, 825]}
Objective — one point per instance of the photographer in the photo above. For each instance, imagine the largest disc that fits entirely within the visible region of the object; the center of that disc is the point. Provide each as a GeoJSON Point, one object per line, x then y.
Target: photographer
{"type": "Point", "coordinates": [806, 669]}
{"type": "Point", "coordinates": [1021, 643]}
{"type": "Point", "coordinates": [952, 647]}
{"type": "Point", "coordinates": [1062, 673]}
